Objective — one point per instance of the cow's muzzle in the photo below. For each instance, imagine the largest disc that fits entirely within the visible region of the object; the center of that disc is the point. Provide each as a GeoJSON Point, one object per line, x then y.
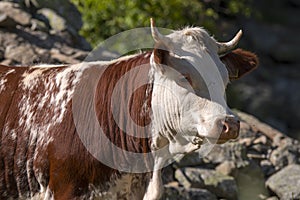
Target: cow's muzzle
{"type": "Point", "coordinates": [230, 129]}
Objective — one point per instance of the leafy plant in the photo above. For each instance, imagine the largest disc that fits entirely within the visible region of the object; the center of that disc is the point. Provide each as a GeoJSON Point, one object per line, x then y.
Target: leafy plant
{"type": "Point", "coordinates": [104, 18]}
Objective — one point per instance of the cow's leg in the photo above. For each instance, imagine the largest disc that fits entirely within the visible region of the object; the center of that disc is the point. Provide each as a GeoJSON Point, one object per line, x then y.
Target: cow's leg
{"type": "Point", "coordinates": [155, 187]}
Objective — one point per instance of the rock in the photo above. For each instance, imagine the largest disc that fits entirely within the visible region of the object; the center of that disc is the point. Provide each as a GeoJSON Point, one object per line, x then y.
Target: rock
{"type": "Point", "coordinates": [21, 53]}
{"type": "Point", "coordinates": [226, 167]}
{"type": "Point", "coordinates": [80, 55]}
{"type": "Point", "coordinates": [61, 58]}
{"type": "Point", "coordinates": [7, 62]}
{"type": "Point", "coordinates": [286, 154]}
{"type": "Point", "coordinates": [229, 151]}
{"type": "Point", "coordinates": [190, 160]}
{"type": "Point", "coordinates": [14, 11]}
{"type": "Point", "coordinates": [180, 193]}
{"type": "Point", "coordinates": [286, 182]}
{"type": "Point", "coordinates": [56, 22]}
{"type": "Point", "coordinates": [6, 21]}
{"type": "Point", "coordinates": [168, 174]}
{"type": "Point", "coordinates": [260, 140]}
{"type": "Point", "coordinates": [267, 167]}
{"type": "Point", "coordinates": [258, 126]}
{"type": "Point", "coordinates": [38, 25]}
{"type": "Point", "coordinates": [217, 183]}
{"type": "Point", "coordinates": [272, 198]}
{"type": "Point", "coordinates": [1, 54]}
{"type": "Point", "coordinates": [189, 178]}
{"type": "Point", "coordinates": [64, 9]}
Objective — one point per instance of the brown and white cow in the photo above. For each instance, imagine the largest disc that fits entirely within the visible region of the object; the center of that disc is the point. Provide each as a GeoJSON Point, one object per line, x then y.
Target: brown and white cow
{"type": "Point", "coordinates": [45, 126]}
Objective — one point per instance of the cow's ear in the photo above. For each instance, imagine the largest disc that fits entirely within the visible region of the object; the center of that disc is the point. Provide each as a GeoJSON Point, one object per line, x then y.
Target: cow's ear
{"type": "Point", "coordinates": [239, 62]}
{"type": "Point", "coordinates": [159, 59]}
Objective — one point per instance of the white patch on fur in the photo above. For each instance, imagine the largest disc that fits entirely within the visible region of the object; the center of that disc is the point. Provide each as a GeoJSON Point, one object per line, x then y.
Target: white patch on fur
{"type": "Point", "coordinates": [13, 135]}
{"type": "Point", "coordinates": [47, 66]}
{"type": "Point", "coordinates": [2, 84]}
{"type": "Point", "coordinates": [3, 80]}
{"type": "Point", "coordinates": [30, 78]}
{"type": "Point", "coordinates": [58, 93]}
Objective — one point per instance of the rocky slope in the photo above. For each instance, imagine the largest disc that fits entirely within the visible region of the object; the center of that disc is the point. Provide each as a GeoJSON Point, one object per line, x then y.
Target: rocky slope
{"type": "Point", "coordinates": [262, 164]}
{"type": "Point", "coordinates": [272, 91]}
{"type": "Point", "coordinates": [41, 36]}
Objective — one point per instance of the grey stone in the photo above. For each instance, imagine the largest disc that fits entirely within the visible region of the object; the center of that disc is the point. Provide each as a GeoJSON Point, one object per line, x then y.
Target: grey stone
{"type": "Point", "coordinates": [180, 193]}
{"type": "Point", "coordinates": [267, 167]}
{"type": "Point", "coordinates": [226, 168]}
{"type": "Point", "coordinates": [261, 140]}
{"type": "Point", "coordinates": [80, 55]}
{"type": "Point", "coordinates": [189, 160]}
{"type": "Point", "coordinates": [6, 21]}
{"type": "Point", "coordinates": [1, 54]}
{"type": "Point", "coordinates": [189, 177]}
{"type": "Point", "coordinates": [272, 198]}
{"type": "Point", "coordinates": [56, 22]}
{"type": "Point", "coordinates": [168, 174]}
{"type": "Point", "coordinates": [14, 11]}
{"type": "Point", "coordinates": [38, 25]}
{"type": "Point", "coordinates": [64, 9]}
{"type": "Point", "coordinates": [21, 53]}
{"type": "Point", "coordinates": [287, 153]}
{"type": "Point", "coordinates": [286, 182]}
{"type": "Point", "coordinates": [229, 151]}
{"type": "Point", "coordinates": [61, 58]}
{"type": "Point", "coordinates": [217, 183]}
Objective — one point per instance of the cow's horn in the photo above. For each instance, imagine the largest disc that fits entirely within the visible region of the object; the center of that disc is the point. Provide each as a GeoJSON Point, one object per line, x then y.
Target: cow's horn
{"type": "Point", "coordinates": [155, 34]}
{"type": "Point", "coordinates": [224, 47]}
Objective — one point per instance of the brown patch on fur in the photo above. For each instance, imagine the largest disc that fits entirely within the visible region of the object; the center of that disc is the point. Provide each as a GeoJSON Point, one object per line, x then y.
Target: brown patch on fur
{"type": "Point", "coordinates": [106, 86]}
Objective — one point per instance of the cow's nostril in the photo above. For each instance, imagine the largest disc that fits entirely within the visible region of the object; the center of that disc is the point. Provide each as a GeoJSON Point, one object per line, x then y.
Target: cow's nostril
{"type": "Point", "coordinates": [225, 127]}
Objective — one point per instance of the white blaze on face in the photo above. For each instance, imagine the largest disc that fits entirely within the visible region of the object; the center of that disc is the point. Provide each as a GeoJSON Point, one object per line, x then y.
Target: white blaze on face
{"type": "Point", "coordinates": [176, 108]}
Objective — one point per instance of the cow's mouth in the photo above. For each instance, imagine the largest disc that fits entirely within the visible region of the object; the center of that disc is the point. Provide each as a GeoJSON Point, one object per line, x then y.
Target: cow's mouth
{"type": "Point", "coordinates": [198, 140]}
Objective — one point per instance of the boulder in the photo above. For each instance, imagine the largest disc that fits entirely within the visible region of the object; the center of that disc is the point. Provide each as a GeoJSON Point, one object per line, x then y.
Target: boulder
{"type": "Point", "coordinates": [21, 53]}
{"type": "Point", "coordinates": [15, 12]}
{"type": "Point", "coordinates": [219, 184]}
{"type": "Point", "coordinates": [7, 21]}
{"type": "Point", "coordinates": [180, 193]}
{"type": "Point", "coordinates": [56, 22]}
{"type": "Point", "coordinates": [190, 160]}
{"type": "Point", "coordinates": [286, 154]}
{"type": "Point", "coordinates": [286, 183]}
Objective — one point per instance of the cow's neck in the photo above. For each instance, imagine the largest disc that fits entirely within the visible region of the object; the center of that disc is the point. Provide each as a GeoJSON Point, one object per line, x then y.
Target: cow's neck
{"type": "Point", "coordinates": [125, 93]}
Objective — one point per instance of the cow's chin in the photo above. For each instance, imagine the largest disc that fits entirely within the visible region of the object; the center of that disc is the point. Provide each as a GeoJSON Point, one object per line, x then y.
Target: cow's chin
{"type": "Point", "coordinates": [211, 136]}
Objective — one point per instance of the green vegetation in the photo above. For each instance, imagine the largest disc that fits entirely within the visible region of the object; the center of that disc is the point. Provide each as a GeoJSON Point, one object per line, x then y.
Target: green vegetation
{"type": "Point", "coordinates": [104, 18]}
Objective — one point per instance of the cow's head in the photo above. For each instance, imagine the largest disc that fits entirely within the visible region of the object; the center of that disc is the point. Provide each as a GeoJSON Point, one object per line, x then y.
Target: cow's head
{"type": "Point", "coordinates": [191, 71]}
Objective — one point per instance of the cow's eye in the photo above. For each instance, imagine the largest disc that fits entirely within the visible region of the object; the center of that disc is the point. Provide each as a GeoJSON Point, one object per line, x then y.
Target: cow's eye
{"type": "Point", "coordinates": [185, 79]}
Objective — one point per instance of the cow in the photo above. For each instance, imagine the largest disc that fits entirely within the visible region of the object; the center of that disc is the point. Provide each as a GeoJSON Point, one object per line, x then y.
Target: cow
{"type": "Point", "coordinates": [52, 148]}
